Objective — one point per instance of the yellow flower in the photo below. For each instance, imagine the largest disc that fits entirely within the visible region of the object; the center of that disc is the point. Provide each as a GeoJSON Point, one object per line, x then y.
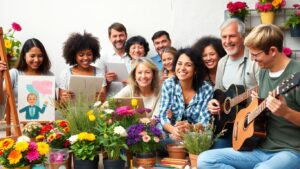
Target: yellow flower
{"type": "Point", "coordinates": [43, 148]}
{"type": "Point", "coordinates": [101, 116]}
{"type": "Point", "coordinates": [22, 146]}
{"type": "Point", "coordinates": [39, 138]}
{"type": "Point", "coordinates": [276, 3]}
{"type": "Point", "coordinates": [7, 43]}
{"type": "Point", "coordinates": [92, 117]}
{"type": "Point", "coordinates": [82, 136]}
{"type": "Point", "coordinates": [14, 157]}
{"type": "Point", "coordinates": [6, 144]}
{"type": "Point", "coordinates": [91, 112]}
{"type": "Point", "coordinates": [134, 102]}
{"type": "Point", "coordinates": [90, 137]}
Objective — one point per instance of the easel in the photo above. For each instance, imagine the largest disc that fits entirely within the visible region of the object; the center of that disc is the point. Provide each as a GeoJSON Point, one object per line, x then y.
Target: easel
{"type": "Point", "coordinates": [11, 110]}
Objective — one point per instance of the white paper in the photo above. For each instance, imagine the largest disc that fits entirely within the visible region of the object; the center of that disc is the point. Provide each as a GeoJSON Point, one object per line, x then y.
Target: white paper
{"type": "Point", "coordinates": [120, 69]}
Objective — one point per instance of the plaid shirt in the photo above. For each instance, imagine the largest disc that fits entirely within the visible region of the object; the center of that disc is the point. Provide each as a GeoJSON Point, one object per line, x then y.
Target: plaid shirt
{"type": "Point", "coordinates": [172, 98]}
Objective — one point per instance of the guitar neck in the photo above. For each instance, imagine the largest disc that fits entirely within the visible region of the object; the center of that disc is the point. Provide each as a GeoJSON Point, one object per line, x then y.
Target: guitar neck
{"type": "Point", "coordinates": [238, 99]}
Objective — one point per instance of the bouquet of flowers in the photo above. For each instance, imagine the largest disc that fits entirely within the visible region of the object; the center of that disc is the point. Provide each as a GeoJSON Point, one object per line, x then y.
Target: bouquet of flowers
{"type": "Point", "coordinates": [12, 45]}
{"type": "Point", "coordinates": [269, 5]}
{"type": "Point", "coordinates": [32, 129]}
{"type": "Point", "coordinates": [294, 18]}
{"type": "Point", "coordinates": [238, 9]}
{"type": "Point", "coordinates": [56, 134]}
{"type": "Point", "coordinates": [143, 137]}
{"type": "Point", "coordinates": [22, 153]}
{"type": "Point", "coordinates": [85, 145]}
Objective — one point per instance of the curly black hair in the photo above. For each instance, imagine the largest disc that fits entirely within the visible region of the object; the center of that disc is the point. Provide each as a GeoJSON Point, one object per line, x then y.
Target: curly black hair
{"type": "Point", "coordinates": [76, 43]}
{"type": "Point", "coordinates": [137, 40]}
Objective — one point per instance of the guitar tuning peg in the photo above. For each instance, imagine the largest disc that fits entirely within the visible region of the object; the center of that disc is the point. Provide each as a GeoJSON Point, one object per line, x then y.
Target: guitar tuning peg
{"type": "Point", "coordinates": [287, 94]}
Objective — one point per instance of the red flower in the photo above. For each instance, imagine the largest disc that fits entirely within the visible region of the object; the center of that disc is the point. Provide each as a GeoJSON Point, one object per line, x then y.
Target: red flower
{"type": "Point", "coordinates": [46, 129]}
{"type": "Point", "coordinates": [67, 144]}
{"type": "Point", "coordinates": [287, 51]}
{"type": "Point", "coordinates": [63, 124]}
{"type": "Point", "coordinates": [16, 26]}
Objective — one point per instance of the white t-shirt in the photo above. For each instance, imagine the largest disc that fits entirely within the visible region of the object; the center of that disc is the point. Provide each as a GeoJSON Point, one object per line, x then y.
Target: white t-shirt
{"type": "Point", "coordinates": [230, 76]}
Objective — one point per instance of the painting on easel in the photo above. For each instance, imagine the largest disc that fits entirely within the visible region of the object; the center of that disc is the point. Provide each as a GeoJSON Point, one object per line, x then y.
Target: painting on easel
{"type": "Point", "coordinates": [34, 95]}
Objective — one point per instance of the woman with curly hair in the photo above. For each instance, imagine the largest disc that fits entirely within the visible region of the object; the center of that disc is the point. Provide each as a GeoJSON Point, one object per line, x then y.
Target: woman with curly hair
{"type": "Point", "coordinates": [80, 51]}
{"type": "Point", "coordinates": [136, 47]}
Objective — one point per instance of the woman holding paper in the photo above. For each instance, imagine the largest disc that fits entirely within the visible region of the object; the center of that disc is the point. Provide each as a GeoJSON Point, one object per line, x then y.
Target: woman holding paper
{"type": "Point", "coordinates": [143, 82]}
{"type": "Point", "coordinates": [185, 95]}
{"type": "Point", "coordinates": [80, 51]}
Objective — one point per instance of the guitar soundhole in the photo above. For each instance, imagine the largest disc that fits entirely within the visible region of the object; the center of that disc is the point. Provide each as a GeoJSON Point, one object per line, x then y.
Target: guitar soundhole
{"type": "Point", "coordinates": [227, 106]}
{"type": "Point", "coordinates": [246, 122]}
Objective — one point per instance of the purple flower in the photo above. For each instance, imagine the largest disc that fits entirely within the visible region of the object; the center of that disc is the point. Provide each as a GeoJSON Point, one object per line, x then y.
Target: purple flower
{"type": "Point", "coordinates": [33, 155]}
{"type": "Point", "coordinates": [155, 131]}
{"type": "Point", "coordinates": [143, 110]}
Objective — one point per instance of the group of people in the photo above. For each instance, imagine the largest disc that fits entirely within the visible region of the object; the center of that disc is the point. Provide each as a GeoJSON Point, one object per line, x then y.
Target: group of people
{"type": "Point", "coordinates": [178, 85]}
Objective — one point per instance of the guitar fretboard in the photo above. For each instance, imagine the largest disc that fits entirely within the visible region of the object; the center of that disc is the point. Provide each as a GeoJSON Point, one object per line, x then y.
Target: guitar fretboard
{"type": "Point", "coordinates": [238, 99]}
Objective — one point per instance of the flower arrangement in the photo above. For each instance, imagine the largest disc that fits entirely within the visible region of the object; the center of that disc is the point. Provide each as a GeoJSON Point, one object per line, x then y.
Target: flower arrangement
{"type": "Point", "coordinates": [294, 18]}
{"type": "Point", "coordinates": [32, 129]}
{"type": "Point", "coordinates": [22, 153]}
{"type": "Point", "coordinates": [56, 134]}
{"type": "Point", "coordinates": [12, 45]}
{"type": "Point", "coordinates": [287, 51]}
{"type": "Point", "coordinates": [85, 145]}
{"type": "Point", "coordinates": [238, 9]}
{"type": "Point", "coordinates": [199, 139]}
{"type": "Point", "coordinates": [269, 5]}
{"type": "Point", "coordinates": [143, 137]}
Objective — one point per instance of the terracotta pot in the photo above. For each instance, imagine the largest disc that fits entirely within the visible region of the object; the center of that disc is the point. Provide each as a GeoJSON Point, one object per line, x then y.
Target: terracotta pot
{"type": "Point", "coordinates": [193, 160]}
{"type": "Point", "coordinates": [267, 17]}
{"type": "Point", "coordinates": [145, 160]}
{"type": "Point", "coordinates": [25, 167]}
{"type": "Point", "coordinates": [176, 151]}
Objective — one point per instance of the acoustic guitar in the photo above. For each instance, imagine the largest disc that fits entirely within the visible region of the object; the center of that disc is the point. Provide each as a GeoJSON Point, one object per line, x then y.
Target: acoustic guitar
{"type": "Point", "coordinates": [250, 125]}
{"type": "Point", "coordinates": [231, 101]}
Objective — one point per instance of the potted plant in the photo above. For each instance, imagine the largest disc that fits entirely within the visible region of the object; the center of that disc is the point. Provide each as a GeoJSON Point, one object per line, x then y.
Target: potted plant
{"type": "Point", "coordinates": [199, 139]}
{"type": "Point", "coordinates": [143, 140]}
{"type": "Point", "coordinates": [238, 10]}
{"type": "Point", "coordinates": [22, 153]}
{"type": "Point", "coordinates": [85, 147]}
{"type": "Point", "coordinates": [293, 22]}
{"type": "Point", "coordinates": [32, 129]}
{"type": "Point", "coordinates": [267, 9]}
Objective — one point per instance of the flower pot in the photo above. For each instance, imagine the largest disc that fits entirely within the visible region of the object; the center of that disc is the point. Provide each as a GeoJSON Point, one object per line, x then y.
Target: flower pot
{"type": "Point", "coordinates": [267, 17]}
{"type": "Point", "coordinates": [25, 167]}
{"type": "Point", "coordinates": [58, 165]}
{"type": "Point", "coordinates": [38, 166]}
{"type": "Point", "coordinates": [129, 156]}
{"type": "Point", "coordinates": [58, 158]}
{"type": "Point", "coordinates": [241, 18]}
{"type": "Point", "coordinates": [145, 160]}
{"type": "Point", "coordinates": [114, 164]}
{"type": "Point", "coordinates": [176, 151]}
{"type": "Point", "coordinates": [83, 164]}
{"type": "Point", "coordinates": [193, 160]}
{"type": "Point", "coordinates": [295, 31]}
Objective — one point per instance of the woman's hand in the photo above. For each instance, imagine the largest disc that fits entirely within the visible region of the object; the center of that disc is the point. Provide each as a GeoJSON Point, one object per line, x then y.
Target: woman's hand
{"type": "Point", "coordinates": [3, 67]}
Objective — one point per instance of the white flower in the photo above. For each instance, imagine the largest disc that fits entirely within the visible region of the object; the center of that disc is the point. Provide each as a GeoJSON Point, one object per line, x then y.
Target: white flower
{"type": "Point", "coordinates": [120, 130]}
{"type": "Point", "coordinates": [105, 105]}
{"type": "Point", "coordinates": [109, 111]}
{"type": "Point", "coordinates": [23, 138]}
{"type": "Point", "coordinates": [98, 103]}
{"type": "Point", "coordinates": [73, 138]}
{"type": "Point", "coordinates": [145, 120]}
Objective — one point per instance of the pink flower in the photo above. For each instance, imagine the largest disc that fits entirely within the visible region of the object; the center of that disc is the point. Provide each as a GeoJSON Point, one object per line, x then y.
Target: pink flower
{"type": "Point", "coordinates": [156, 139]}
{"type": "Point", "coordinates": [297, 13]}
{"type": "Point", "coordinates": [287, 51]}
{"type": "Point", "coordinates": [146, 138]}
{"type": "Point", "coordinates": [32, 146]}
{"type": "Point", "coordinates": [16, 26]}
{"type": "Point", "coordinates": [33, 155]}
{"type": "Point", "coordinates": [143, 133]}
{"type": "Point", "coordinates": [296, 5]}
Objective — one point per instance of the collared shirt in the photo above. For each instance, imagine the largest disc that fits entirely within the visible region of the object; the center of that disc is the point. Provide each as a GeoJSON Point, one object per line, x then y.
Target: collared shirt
{"type": "Point", "coordinates": [172, 98]}
{"type": "Point", "coordinates": [157, 60]}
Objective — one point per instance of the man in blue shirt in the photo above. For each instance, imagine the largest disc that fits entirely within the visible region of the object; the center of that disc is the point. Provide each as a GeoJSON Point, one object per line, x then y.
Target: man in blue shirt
{"type": "Point", "coordinates": [161, 39]}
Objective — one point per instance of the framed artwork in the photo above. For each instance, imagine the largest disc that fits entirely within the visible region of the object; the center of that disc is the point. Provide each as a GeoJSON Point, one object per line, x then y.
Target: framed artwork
{"type": "Point", "coordinates": [36, 96]}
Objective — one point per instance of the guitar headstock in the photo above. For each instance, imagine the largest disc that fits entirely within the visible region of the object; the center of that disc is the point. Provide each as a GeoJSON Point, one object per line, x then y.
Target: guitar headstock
{"type": "Point", "coordinates": [288, 84]}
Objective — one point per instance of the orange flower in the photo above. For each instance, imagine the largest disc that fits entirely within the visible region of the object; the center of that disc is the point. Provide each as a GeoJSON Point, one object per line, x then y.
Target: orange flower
{"type": "Point", "coordinates": [14, 157]}
{"type": "Point", "coordinates": [66, 130]}
{"type": "Point", "coordinates": [6, 144]}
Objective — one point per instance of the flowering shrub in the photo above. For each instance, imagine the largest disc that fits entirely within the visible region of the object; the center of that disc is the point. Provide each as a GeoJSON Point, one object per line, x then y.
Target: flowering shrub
{"type": "Point", "coordinates": [294, 18]}
{"type": "Point", "coordinates": [22, 153]}
{"type": "Point", "coordinates": [287, 51]}
{"type": "Point", "coordinates": [238, 9]}
{"type": "Point", "coordinates": [32, 129]}
{"type": "Point", "coordinates": [143, 137]}
{"type": "Point", "coordinates": [269, 5]}
{"type": "Point", "coordinates": [12, 45]}
{"type": "Point", "coordinates": [56, 134]}
{"type": "Point", "coordinates": [85, 145]}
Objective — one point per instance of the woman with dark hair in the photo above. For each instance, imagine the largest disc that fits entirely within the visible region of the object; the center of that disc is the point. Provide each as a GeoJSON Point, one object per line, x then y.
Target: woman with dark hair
{"type": "Point", "coordinates": [185, 95]}
{"type": "Point", "coordinates": [80, 51]}
{"type": "Point", "coordinates": [33, 61]}
{"type": "Point", "coordinates": [211, 51]}
{"type": "Point", "coordinates": [136, 47]}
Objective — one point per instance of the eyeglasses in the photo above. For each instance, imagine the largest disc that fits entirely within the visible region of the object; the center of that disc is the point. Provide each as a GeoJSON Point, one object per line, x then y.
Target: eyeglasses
{"type": "Point", "coordinates": [256, 54]}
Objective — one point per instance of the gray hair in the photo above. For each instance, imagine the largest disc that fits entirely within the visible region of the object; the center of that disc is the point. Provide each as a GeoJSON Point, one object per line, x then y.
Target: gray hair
{"type": "Point", "coordinates": [240, 24]}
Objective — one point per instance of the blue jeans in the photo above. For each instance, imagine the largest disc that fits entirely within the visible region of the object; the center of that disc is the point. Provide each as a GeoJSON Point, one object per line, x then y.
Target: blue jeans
{"type": "Point", "coordinates": [222, 142]}
{"type": "Point", "coordinates": [228, 158]}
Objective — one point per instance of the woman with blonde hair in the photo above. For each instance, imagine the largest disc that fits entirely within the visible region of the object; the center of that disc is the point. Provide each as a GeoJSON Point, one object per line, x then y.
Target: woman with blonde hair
{"type": "Point", "coordinates": [167, 57]}
{"type": "Point", "coordinates": [143, 82]}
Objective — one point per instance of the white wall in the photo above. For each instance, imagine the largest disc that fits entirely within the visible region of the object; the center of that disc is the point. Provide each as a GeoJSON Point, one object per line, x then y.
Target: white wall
{"type": "Point", "coordinates": [52, 21]}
